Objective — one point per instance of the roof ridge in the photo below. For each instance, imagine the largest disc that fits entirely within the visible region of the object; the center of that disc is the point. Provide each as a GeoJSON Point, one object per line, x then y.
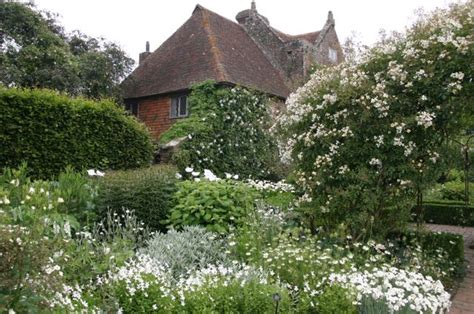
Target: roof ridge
{"type": "Point", "coordinates": [219, 67]}
{"type": "Point", "coordinates": [200, 7]}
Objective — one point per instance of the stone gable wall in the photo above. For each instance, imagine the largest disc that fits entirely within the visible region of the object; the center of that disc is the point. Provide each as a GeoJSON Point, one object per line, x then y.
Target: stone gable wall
{"type": "Point", "coordinates": [292, 58]}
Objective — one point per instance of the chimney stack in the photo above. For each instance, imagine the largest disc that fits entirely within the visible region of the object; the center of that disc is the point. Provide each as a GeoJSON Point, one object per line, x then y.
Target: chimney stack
{"type": "Point", "coordinates": [145, 54]}
{"type": "Point", "coordinates": [253, 6]}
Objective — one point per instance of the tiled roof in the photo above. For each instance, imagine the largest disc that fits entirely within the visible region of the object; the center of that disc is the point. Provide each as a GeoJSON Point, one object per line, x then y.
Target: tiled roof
{"type": "Point", "coordinates": [206, 46]}
{"type": "Point", "coordinates": [310, 37]}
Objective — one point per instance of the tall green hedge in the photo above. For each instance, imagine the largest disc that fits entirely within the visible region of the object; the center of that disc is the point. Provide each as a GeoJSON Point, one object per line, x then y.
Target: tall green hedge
{"type": "Point", "coordinates": [50, 131]}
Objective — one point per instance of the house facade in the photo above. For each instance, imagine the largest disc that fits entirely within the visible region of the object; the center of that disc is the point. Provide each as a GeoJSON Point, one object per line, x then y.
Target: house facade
{"type": "Point", "coordinates": [207, 46]}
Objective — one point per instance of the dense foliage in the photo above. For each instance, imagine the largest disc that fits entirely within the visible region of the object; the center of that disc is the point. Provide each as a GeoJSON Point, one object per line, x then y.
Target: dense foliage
{"type": "Point", "coordinates": [147, 191]}
{"type": "Point", "coordinates": [51, 131]}
{"type": "Point", "coordinates": [367, 137]}
{"type": "Point", "coordinates": [215, 205]}
{"type": "Point", "coordinates": [226, 132]}
{"type": "Point", "coordinates": [36, 52]}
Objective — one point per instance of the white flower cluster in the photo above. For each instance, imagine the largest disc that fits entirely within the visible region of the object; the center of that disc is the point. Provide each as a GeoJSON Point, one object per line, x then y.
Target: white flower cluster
{"type": "Point", "coordinates": [265, 185]}
{"type": "Point", "coordinates": [138, 275]}
{"type": "Point", "coordinates": [398, 288]}
{"type": "Point", "coordinates": [425, 119]}
{"type": "Point", "coordinates": [71, 299]}
{"type": "Point", "coordinates": [220, 274]}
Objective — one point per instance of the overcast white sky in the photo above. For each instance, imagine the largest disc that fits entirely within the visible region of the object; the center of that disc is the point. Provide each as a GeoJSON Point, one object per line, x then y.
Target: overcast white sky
{"type": "Point", "coordinates": [131, 23]}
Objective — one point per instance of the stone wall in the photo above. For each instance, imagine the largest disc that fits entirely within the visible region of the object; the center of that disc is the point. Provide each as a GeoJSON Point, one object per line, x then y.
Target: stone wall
{"type": "Point", "coordinates": [291, 55]}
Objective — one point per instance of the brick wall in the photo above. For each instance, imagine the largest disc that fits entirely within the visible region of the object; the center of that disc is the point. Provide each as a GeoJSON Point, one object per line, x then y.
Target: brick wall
{"type": "Point", "coordinates": [155, 113]}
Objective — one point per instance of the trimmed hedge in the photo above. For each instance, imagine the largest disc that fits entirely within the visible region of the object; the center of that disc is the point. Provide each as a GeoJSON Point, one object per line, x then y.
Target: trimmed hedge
{"type": "Point", "coordinates": [430, 242]}
{"type": "Point", "coordinates": [448, 213]}
{"type": "Point", "coordinates": [50, 131]}
{"type": "Point", "coordinates": [147, 191]}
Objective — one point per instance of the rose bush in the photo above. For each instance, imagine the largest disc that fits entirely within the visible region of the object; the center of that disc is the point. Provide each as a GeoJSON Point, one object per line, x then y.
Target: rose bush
{"type": "Point", "coordinates": [366, 137]}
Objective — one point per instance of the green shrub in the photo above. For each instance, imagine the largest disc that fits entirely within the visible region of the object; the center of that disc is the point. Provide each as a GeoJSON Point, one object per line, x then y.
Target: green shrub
{"type": "Point", "coordinates": [448, 213]}
{"type": "Point", "coordinates": [183, 251]}
{"type": "Point", "coordinates": [452, 190]}
{"type": "Point", "coordinates": [336, 299]}
{"type": "Point", "coordinates": [215, 205]}
{"type": "Point", "coordinates": [236, 296]}
{"type": "Point", "coordinates": [455, 175]}
{"type": "Point", "coordinates": [147, 191]}
{"type": "Point", "coordinates": [437, 254]}
{"type": "Point", "coordinates": [50, 131]}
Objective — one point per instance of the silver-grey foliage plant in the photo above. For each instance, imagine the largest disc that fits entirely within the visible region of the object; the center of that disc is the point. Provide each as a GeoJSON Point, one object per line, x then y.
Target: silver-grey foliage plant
{"type": "Point", "coordinates": [187, 250]}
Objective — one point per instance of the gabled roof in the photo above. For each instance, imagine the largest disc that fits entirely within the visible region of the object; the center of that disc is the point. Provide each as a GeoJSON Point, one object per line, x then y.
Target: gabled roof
{"type": "Point", "coordinates": [206, 46]}
{"type": "Point", "coordinates": [309, 37]}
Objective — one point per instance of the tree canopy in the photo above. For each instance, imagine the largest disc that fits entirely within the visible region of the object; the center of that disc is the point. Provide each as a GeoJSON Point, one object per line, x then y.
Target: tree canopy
{"type": "Point", "coordinates": [35, 51]}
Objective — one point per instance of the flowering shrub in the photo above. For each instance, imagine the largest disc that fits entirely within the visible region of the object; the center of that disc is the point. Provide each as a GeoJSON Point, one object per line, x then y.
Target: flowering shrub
{"type": "Point", "coordinates": [366, 137]}
{"type": "Point", "coordinates": [46, 258]}
{"type": "Point", "coordinates": [226, 132]}
{"type": "Point", "coordinates": [33, 224]}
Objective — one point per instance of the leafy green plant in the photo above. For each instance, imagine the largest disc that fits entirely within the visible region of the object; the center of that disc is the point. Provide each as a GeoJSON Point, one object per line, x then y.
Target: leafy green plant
{"type": "Point", "coordinates": [231, 295]}
{"type": "Point", "coordinates": [452, 190]}
{"type": "Point", "coordinates": [50, 131]}
{"type": "Point", "coordinates": [439, 255]}
{"type": "Point", "coordinates": [336, 299]}
{"type": "Point", "coordinates": [79, 195]}
{"type": "Point", "coordinates": [147, 191]}
{"type": "Point", "coordinates": [214, 205]}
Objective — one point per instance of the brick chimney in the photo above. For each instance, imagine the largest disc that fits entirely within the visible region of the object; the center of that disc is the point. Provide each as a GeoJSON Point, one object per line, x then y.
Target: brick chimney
{"type": "Point", "coordinates": [145, 54]}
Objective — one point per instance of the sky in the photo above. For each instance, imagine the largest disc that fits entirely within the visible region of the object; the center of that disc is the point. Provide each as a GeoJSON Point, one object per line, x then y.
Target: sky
{"type": "Point", "coordinates": [131, 23]}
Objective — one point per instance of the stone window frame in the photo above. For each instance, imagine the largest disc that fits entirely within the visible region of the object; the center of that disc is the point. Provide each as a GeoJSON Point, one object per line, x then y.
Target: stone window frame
{"type": "Point", "coordinates": [176, 104]}
{"type": "Point", "coordinates": [332, 54]}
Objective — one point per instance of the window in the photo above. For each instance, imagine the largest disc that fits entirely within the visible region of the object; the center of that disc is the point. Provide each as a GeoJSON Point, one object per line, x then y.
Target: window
{"type": "Point", "coordinates": [179, 107]}
{"type": "Point", "coordinates": [132, 107]}
{"type": "Point", "coordinates": [332, 53]}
